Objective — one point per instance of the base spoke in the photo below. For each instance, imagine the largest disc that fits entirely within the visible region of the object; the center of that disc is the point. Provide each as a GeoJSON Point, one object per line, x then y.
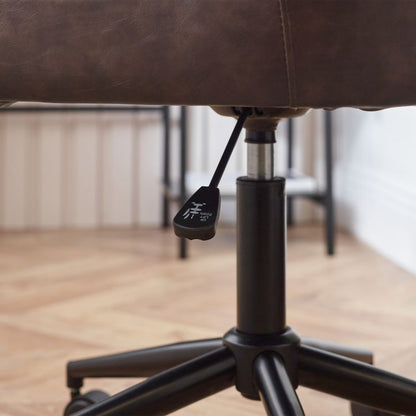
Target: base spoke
{"type": "Point", "coordinates": [172, 389]}
{"type": "Point", "coordinates": [275, 388]}
{"type": "Point", "coordinates": [356, 381]}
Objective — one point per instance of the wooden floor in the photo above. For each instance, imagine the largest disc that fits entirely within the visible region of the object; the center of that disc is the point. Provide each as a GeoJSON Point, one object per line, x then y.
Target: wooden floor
{"type": "Point", "coordinates": [77, 294]}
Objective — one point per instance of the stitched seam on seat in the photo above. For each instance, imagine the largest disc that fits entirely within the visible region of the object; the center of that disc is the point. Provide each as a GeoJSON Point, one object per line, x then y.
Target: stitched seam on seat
{"type": "Point", "coordinates": [292, 55]}
{"type": "Point", "coordinates": [284, 38]}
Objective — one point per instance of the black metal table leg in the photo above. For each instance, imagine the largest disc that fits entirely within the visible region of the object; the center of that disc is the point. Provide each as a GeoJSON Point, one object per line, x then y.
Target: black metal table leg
{"type": "Point", "coordinates": [166, 167]}
{"type": "Point", "coordinates": [171, 390]}
{"type": "Point", "coordinates": [275, 388]}
{"type": "Point", "coordinates": [141, 363]}
{"type": "Point", "coordinates": [329, 198]}
{"type": "Point", "coordinates": [359, 354]}
{"type": "Point", "coordinates": [182, 174]}
{"type": "Point", "coordinates": [290, 134]}
{"type": "Point", "coordinates": [356, 381]}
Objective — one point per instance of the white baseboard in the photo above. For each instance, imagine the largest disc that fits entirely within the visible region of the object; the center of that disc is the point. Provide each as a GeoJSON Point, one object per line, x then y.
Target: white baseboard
{"type": "Point", "coordinates": [380, 211]}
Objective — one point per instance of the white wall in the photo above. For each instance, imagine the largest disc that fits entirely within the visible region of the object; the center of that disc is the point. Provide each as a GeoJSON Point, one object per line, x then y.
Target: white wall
{"type": "Point", "coordinates": [375, 173]}
{"type": "Point", "coordinates": [80, 169]}
{"type": "Point", "coordinates": [104, 169]}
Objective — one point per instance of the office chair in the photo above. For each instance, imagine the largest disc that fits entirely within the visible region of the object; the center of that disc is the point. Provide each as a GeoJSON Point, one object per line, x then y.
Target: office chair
{"type": "Point", "coordinates": [259, 62]}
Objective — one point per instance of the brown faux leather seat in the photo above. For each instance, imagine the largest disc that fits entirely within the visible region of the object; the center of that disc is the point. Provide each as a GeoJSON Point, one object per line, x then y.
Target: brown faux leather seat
{"type": "Point", "coordinates": [268, 53]}
{"type": "Point", "coordinates": [280, 56]}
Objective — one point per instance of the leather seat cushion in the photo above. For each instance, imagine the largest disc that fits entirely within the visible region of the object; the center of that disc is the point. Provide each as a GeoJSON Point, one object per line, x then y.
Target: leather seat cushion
{"type": "Point", "coordinates": [268, 53]}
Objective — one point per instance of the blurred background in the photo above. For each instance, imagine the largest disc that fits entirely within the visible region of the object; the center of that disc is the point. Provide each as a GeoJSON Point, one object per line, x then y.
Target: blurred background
{"type": "Point", "coordinates": [104, 169]}
{"type": "Point", "coordinates": [89, 263]}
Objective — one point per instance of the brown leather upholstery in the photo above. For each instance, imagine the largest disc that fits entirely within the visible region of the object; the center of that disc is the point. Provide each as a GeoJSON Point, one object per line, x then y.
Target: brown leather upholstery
{"type": "Point", "coordinates": [265, 53]}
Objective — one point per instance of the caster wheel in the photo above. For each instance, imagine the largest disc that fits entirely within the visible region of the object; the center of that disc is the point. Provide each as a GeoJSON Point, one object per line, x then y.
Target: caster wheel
{"type": "Point", "coordinates": [360, 410]}
{"type": "Point", "coordinates": [85, 400]}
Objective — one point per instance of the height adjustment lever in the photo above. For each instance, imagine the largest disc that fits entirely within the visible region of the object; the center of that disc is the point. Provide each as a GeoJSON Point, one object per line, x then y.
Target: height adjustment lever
{"type": "Point", "coordinates": [198, 218]}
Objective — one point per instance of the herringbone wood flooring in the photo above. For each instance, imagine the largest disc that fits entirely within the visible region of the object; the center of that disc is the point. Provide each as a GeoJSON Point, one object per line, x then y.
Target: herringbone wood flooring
{"type": "Point", "coordinates": [67, 295]}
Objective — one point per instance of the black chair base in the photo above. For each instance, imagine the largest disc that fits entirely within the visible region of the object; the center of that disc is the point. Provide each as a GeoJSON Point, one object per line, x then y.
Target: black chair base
{"type": "Point", "coordinates": [183, 373]}
{"type": "Point", "coordinates": [262, 357]}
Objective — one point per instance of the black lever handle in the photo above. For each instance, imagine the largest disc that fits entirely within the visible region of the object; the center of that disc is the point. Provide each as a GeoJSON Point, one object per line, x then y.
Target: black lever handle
{"type": "Point", "coordinates": [198, 218]}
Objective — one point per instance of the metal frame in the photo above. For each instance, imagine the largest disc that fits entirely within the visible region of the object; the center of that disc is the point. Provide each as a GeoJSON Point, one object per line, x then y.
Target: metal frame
{"type": "Point", "coordinates": [167, 192]}
{"type": "Point", "coordinates": [325, 197]}
{"type": "Point", "coordinates": [166, 170]}
{"type": "Point", "coordinates": [79, 108]}
{"type": "Point", "coordinates": [183, 168]}
{"type": "Point", "coordinates": [164, 110]}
